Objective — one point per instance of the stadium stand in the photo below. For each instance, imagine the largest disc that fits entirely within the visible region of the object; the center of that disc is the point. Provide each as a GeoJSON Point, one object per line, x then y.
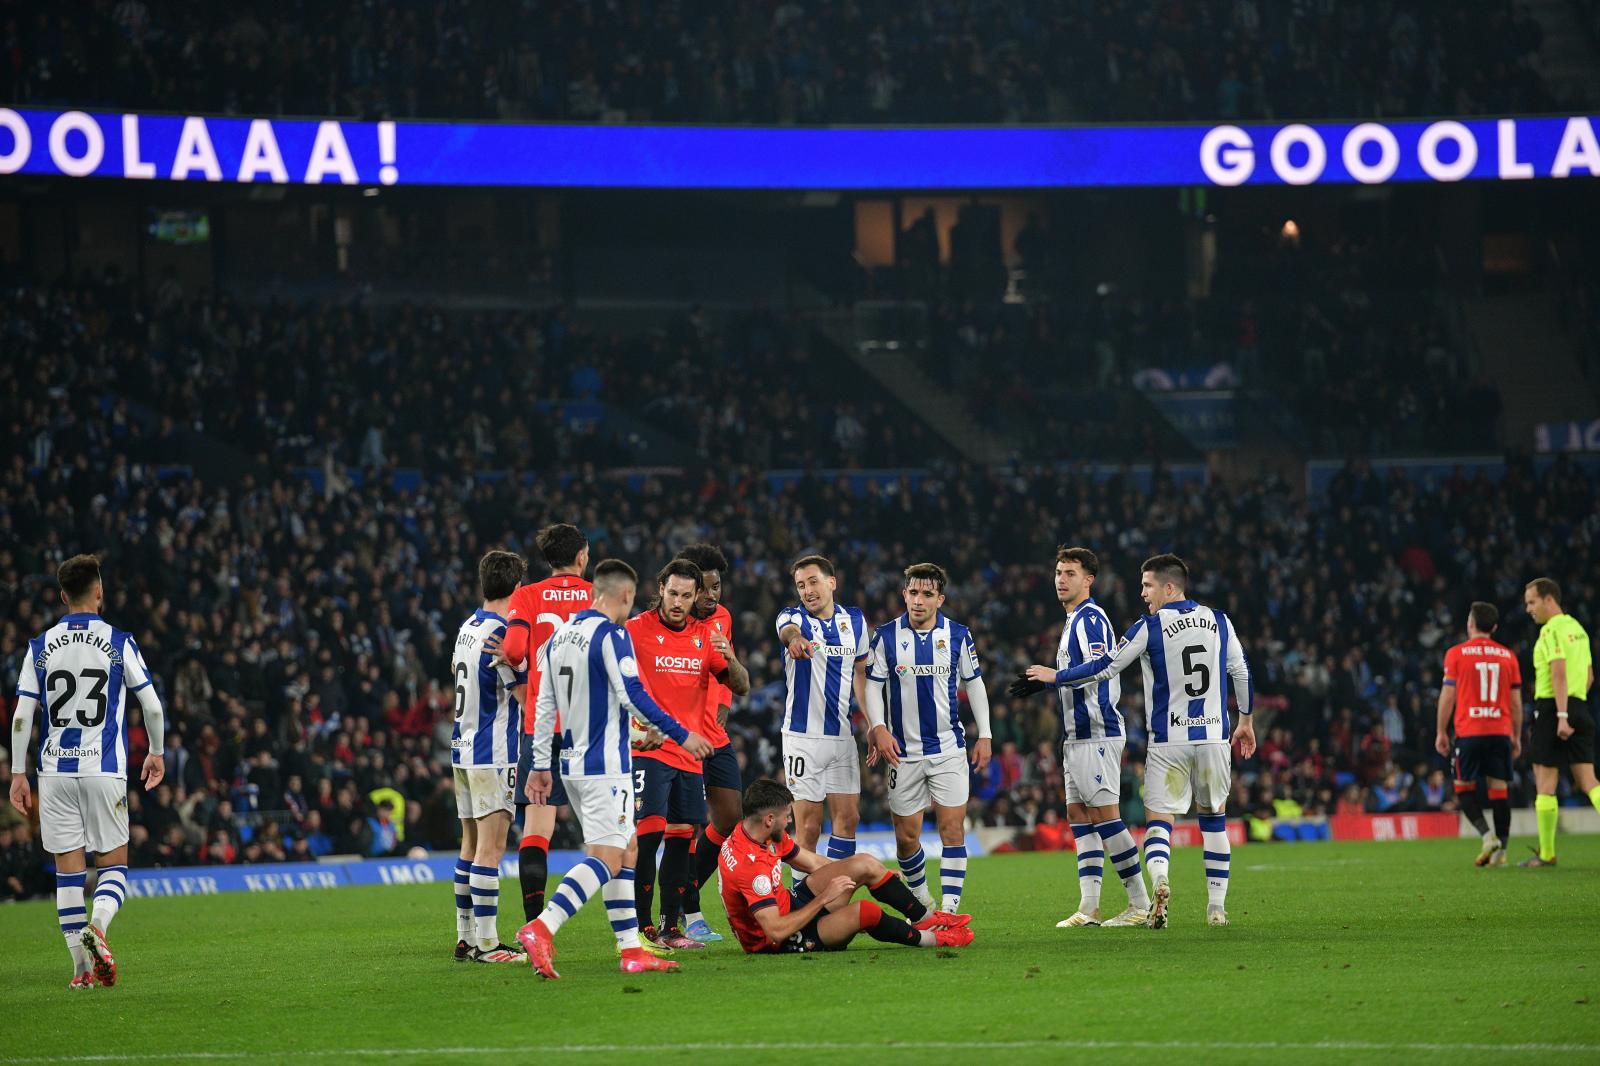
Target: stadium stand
{"type": "Point", "coordinates": [784, 62]}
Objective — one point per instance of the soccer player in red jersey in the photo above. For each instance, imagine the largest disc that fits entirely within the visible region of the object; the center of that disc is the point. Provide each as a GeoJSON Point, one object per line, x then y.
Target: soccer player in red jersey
{"type": "Point", "coordinates": [1482, 691]}
{"type": "Point", "coordinates": [724, 781]}
{"type": "Point", "coordinates": [677, 663]}
{"type": "Point", "coordinates": [820, 915]}
{"type": "Point", "coordinates": [534, 613]}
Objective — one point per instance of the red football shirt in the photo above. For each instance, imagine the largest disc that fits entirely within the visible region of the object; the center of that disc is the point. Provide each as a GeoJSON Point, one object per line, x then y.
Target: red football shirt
{"type": "Point", "coordinates": [677, 667]}
{"type": "Point", "coordinates": [752, 878]}
{"type": "Point", "coordinates": [1483, 672]}
{"type": "Point", "coordinates": [531, 620]}
{"type": "Point", "coordinates": [719, 695]}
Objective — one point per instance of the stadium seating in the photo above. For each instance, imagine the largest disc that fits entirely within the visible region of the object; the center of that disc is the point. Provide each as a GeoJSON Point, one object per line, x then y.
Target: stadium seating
{"type": "Point", "coordinates": [877, 61]}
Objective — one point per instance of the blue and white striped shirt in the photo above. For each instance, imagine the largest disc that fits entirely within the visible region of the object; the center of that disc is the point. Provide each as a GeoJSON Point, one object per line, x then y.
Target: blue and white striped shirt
{"type": "Point", "coordinates": [1187, 652]}
{"type": "Point", "coordinates": [1090, 712]}
{"type": "Point", "coordinates": [921, 669]}
{"type": "Point", "coordinates": [821, 689]}
{"type": "Point", "coordinates": [488, 719]}
{"type": "Point", "coordinates": [589, 675]}
{"type": "Point", "coordinates": [81, 670]}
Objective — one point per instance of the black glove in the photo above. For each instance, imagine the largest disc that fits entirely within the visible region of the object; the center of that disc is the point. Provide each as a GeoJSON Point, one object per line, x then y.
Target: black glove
{"type": "Point", "coordinates": [1025, 686]}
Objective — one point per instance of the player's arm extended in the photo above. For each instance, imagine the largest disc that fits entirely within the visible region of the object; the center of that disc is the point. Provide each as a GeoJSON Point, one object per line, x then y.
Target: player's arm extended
{"type": "Point", "coordinates": [622, 669]}
{"type": "Point", "coordinates": [544, 717]}
{"type": "Point", "coordinates": [1109, 665]}
{"type": "Point", "coordinates": [791, 638]}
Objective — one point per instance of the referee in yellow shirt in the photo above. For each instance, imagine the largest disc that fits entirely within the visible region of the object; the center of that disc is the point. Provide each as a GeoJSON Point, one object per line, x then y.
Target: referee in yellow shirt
{"type": "Point", "coordinates": [1563, 727]}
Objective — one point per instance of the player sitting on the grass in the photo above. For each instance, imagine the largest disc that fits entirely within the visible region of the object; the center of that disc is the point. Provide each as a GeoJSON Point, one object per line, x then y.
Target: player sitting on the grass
{"type": "Point", "coordinates": [84, 671]}
{"type": "Point", "coordinates": [483, 757]}
{"type": "Point", "coordinates": [916, 662]}
{"type": "Point", "coordinates": [591, 679]}
{"type": "Point", "coordinates": [819, 916]}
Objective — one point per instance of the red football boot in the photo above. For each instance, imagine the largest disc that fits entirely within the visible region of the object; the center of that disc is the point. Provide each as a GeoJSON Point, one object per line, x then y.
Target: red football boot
{"type": "Point", "coordinates": [942, 920]}
{"type": "Point", "coordinates": [638, 960]}
{"type": "Point", "coordinates": [541, 948]}
{"type": "Point", "coordinates": [105, 966]}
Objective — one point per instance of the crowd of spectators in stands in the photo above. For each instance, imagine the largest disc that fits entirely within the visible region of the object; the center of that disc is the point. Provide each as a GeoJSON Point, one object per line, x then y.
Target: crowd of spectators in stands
{"type": "Point", "coordinates": [1348, 340]}
{"type": "Point", "coordinates": [780, 61]}
{"type": "Point", "coordinates": [298, 628]}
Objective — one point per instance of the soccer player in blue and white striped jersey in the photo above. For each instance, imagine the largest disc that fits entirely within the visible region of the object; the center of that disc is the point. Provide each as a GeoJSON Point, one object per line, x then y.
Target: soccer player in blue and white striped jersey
{"type": "Point", "coordinates": [590, 677]}
{"type": "Point", "coordinates": [825, 669]}
{"type": "Point", "coordinates": [483, 756]}
{"type": "Point", "coordinates": [1187, 651]}
{"type": "Point", "coordinates": [84, 672]}
{"type": "Point", "coordinates": [915, 664]}
{"type": "Point", "coordinates": [1091, 754]}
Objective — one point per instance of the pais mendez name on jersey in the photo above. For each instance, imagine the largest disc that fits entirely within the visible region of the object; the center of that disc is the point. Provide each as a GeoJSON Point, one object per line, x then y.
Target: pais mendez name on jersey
{"type": "Point", "coordinates": [83, 636]}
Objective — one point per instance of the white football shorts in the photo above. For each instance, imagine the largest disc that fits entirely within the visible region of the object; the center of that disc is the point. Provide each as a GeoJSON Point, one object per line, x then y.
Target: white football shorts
{"type": "Point", "coordinates": [483, 790]}
{"type": "Point", "coordinates": [82, 812]}
{"type": "Point", "coordinates": [1092, 770]}
{"type": "Point", "coordinates": [917, 783]}
{"type": "Point", "coordinates": [604, 806]}
{"type": "Point", "coordinates": [818, 767]}
{"type": "Point", "coordinates": [1178, 775]}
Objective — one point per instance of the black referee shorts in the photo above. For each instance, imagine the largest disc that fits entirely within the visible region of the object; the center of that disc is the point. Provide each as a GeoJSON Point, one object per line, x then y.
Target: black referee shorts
{"type": "Point", "coordinates": [1546, 749]}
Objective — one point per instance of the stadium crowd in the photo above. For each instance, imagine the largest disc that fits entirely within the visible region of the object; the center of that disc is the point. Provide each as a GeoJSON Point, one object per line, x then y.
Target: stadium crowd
{"type": "Point", "coordinates": [1350, 339]}
{"type": "Point", "coordinates": [777, 61]}
{"type": "Point", "coordinates": [298, 628]}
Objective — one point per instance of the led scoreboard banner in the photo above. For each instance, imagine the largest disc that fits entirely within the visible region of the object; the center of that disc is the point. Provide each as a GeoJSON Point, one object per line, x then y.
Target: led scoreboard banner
{"type": "Point", "coordinates": [82, 144]}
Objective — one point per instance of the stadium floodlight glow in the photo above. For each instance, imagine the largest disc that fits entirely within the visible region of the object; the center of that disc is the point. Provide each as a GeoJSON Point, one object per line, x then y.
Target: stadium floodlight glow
{"type": "Point", "coordinates": [376, 154]}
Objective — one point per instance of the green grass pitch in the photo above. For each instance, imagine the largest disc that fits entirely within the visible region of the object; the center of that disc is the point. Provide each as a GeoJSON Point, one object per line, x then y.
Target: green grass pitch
{"type": "Point", "coordinates": [1339, 953]}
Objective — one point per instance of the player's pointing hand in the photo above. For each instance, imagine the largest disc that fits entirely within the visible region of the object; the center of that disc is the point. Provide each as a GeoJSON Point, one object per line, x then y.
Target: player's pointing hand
{"type": "Point", "coordinates": [799, 648]}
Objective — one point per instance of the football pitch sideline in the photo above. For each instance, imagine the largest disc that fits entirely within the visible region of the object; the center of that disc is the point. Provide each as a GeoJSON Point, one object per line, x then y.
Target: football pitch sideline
{"type": "Point", "coordinates": [1338, 953]}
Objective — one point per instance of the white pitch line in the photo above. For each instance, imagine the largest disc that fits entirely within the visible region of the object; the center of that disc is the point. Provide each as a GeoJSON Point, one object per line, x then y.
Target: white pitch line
{"type": "Point", "coordinates": [902, 1045]}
